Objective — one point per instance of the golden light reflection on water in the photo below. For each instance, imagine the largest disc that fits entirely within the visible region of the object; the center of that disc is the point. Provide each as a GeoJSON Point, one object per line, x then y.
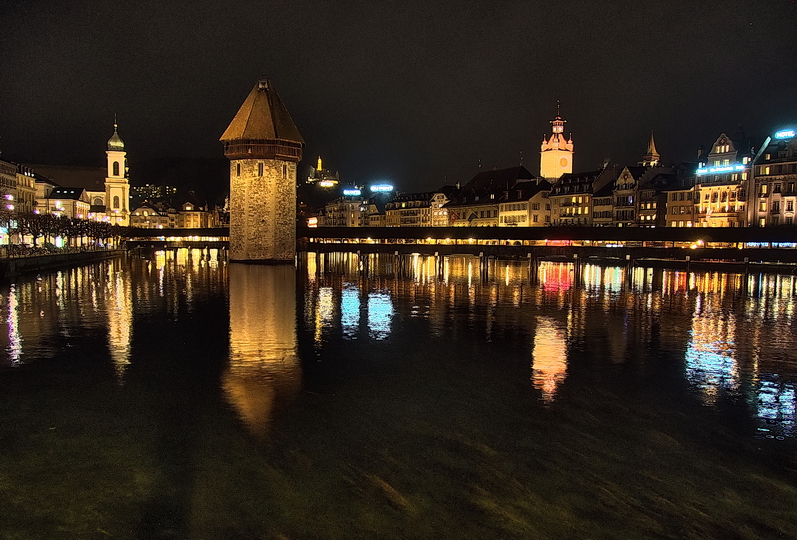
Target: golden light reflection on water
{"type": "Point", "coordinates": [264, 364]}
{"type": "Point", "coordinates": [548, 357]}
{"type": "Point", "coordinates": [120, 319]}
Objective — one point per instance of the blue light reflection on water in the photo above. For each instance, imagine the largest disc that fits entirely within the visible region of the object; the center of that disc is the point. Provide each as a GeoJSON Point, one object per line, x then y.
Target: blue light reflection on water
{"type": "Point", "coordinates": [713, 363]}
{"type": "Point", "coordinates": [734, 332]}
{"type": "Point", "coordinates": [462, 370]}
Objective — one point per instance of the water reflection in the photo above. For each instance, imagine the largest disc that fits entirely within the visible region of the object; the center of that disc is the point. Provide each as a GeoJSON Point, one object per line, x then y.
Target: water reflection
{"type": "Point", "coordinates": [264, 365]}
{"type": "Point", "coordinates": [727, 336]}
{"type": "Point", "coordinates": [711, 355]}
{"type": "Point", "coordinates": [120, 319]}
{"type": "Point", "coordinates": [549, 357]}
{"type": "Point", "coordinates": [731, 332]}
{"type": "Point", "coordinates": [350, 311]}
{"type": "Point", "coordinates": [380, 314]}
{"type": "Point", "coordinates": [14, 346]}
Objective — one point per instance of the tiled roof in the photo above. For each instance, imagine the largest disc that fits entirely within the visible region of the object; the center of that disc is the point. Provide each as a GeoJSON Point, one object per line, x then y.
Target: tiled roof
{"type": "Point", "coordinates": [262, 117]}
{"type": "Point", "coordinates": [497, 180]}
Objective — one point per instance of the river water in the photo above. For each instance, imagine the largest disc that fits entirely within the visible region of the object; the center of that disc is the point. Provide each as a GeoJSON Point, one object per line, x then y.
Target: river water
{"type": "Point", "coordinates": [180, 396]}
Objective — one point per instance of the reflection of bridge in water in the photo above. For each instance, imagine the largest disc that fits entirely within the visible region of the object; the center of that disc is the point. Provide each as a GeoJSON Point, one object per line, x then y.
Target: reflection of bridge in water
{"type": "Point", "coordinates": [742, 248]}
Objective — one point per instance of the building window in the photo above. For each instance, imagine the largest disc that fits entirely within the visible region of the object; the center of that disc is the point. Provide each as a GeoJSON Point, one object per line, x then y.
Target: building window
{"type": "Point", "coordinates": [116, 201]}
{"type": "Point", "coordinates": [777, 188]}
{"type": "Point", "coordinates": [790, 206]}
{"type": "Point", "coordinates": [284, 171]}
{"type": "Point", "coordinates": [260, 169]}
{"type": "Point", "coordinates": [762, 206]}
{"type": "Point", "coordinates": [237, 169]}
{"type": "Point", "coordinates": [116, 168]}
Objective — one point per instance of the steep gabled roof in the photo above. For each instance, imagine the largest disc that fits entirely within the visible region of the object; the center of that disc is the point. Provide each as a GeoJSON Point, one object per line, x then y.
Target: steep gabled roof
{"type": "Point", "coordinates": [262, 117]}
{"type": "Point", "coordinates": [498, 180]}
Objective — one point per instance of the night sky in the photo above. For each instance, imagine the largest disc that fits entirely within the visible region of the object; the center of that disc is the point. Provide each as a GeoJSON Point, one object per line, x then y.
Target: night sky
{"type": "Point", "coordinates": [414, 92]}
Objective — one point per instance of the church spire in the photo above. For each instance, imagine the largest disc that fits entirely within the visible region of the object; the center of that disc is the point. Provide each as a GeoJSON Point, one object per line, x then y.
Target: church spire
{"type": "Point", "coordinates": [651, 157]}
{"type": "Point", "coordinates": [115, 143]}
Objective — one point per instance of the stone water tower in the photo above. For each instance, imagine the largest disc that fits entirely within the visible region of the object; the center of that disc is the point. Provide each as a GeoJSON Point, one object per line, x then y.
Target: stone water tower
{"type": "Point", "coordinates": [264, 147]}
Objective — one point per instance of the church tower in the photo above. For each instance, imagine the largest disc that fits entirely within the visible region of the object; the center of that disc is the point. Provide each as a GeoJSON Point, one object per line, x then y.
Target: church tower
{"type": "Point", "coordinates": [117, 186]}
{"type": "Point", "coordinates": [556, 153]}
{"type": "Point", "coordinates": [264, 147]}
{"type": "Point", "coordinates": [651, 157]}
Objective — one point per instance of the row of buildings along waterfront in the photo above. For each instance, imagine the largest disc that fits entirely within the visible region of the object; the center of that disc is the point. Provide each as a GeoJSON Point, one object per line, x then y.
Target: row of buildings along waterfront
{"type": "Point", "coordinates": [98, 194]}
{"type": "Point", "coordinates": [730, 184]}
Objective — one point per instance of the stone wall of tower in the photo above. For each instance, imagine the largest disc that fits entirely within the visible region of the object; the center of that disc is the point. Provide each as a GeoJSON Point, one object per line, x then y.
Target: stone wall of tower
{"type": "Point", "coordinates": [262, 210]}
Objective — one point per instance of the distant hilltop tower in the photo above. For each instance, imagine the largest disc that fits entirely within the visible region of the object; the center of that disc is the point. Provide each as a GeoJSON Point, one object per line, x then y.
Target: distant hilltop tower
{"type": "Point", "coordinates": [263, 146]}
{"type": "Point", "coordinates": [117, 186]}
{"type": "Point", "coordinates": [556, 153]}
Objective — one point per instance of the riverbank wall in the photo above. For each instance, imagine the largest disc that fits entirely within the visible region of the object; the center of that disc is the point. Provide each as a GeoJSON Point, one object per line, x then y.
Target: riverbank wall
{"type": "Point", "coordinates": [14, 266]}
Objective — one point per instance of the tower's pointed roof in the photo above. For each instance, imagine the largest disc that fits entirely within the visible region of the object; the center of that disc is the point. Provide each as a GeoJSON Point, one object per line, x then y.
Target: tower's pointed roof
{"type": "Point", "coordinates": [115, 143]}
{"type": "Point", "coordinates": [652, 147]}
{"type": "Point", "coordinates": [262, 117]}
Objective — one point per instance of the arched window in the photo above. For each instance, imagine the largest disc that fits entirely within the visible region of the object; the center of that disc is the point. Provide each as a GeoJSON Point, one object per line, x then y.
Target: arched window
{"type": "Point", "coordinates": [97, 201]}
{"type": "Point", "coordinates": [116, 168]}
{"type": "Point", "coordinates": [116, 201]}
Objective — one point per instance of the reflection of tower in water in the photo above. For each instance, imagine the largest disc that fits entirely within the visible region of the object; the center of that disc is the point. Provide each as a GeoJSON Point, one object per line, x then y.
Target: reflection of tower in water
{"type": "Point", "coordinates": [549, 357]}
{"type": "Point", "coordinates": [120, 319]}
{"type": "Point", "coordinates": [264, 364]}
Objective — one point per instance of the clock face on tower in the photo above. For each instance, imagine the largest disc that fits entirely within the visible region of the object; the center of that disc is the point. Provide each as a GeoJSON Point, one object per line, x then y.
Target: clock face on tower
{"type": "Point", "coordinates": [563, 162]}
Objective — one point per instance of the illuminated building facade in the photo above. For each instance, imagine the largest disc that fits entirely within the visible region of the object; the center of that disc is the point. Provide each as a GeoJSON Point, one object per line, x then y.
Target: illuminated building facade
{"type": "Point", "coordinates": [603, 206]}
{"type": "Point", "coordinates": [652, 196]}
{"type": "Point", "coordinates": [409, 210]}
{"type": "Point", "coordinates": [438, 205]}
{"type": "Point", "coordinates": [8, 179]}
{"type": "Point", "coordinates": [624, 196]}
{"type": "Point", "coordinates": [571, 197]}
{"type": "Point", "coordinates": [25, 198]}
{"type": "Point", "coordinates": [477, 203]}
{"type": "Point", "coordinates": [117, 186]}
{"type": "Point", "coordinates": [264, 147]}
{"type": "Point", "coordinates": [775, 193]}
{"type": "Point", "coordinates": [346, 211]}
{"type": "Point", "coordinates": [526, 204]}
{"type": "Point", "coordinates": [149, 216]}
{"type": "Point", "coordinates": [680, 205]}
{"type": "Point", "coordinates": [556, 152]}
{"type": "Point", "coordinates": [721, 186]}
{"type": "Point", "coordinates": [68, 202]}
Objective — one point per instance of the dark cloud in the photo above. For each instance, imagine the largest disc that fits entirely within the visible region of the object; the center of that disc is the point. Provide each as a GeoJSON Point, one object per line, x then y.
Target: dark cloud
{"type": "Point", "coordinates": [413, 91]}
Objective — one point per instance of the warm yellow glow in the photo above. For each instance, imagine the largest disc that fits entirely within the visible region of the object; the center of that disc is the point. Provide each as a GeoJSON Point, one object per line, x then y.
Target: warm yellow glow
{"type": "Point", "coordinates": [264, 366]}
{"type": "Point", "coordinates": [549, 357]}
